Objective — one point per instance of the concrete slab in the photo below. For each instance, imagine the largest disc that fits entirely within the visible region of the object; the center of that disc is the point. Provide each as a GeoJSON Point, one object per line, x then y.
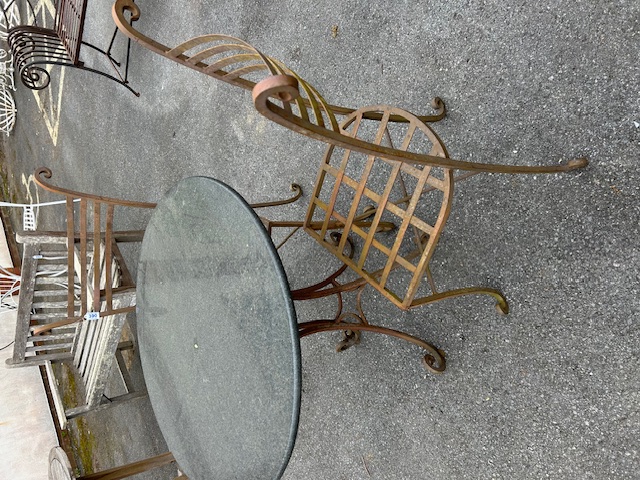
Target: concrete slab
{"type": "Point", "coordinates": [27, 432]}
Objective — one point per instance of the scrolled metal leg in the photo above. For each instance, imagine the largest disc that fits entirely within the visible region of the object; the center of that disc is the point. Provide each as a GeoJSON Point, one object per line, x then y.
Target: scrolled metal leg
{"type": "Point", "coordinates": [433, 360]}
{"type": "Point", "coordinates": [501, 302]}
{"type": "Point", "coordinates": [441, 110]}
{"type": "Point", "coordinates": [349, 339]}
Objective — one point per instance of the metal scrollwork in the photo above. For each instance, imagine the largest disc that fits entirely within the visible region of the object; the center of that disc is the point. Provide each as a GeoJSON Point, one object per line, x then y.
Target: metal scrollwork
{"type": "Point", "coordinates": [35, 78]}
{"type": "Point", "coordinates": [352, 323]}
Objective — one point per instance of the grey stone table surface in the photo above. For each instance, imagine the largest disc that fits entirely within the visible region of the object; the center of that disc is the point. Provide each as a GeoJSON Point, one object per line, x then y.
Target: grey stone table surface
{"type": "Point", "coordinates": [217, 335]}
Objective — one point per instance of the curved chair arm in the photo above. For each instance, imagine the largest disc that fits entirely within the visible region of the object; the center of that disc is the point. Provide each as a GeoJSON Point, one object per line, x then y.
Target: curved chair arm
{"type": "Point", "coordinates": [234, 63]}
{"type": "Point", "coordinates": [285, 87]}
{"type": "Point", "coordinates": [43, 172]}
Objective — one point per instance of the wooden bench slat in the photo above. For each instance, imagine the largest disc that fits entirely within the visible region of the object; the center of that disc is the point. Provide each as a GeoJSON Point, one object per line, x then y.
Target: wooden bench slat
{"type": "Point", "coordinates": [50, 347]}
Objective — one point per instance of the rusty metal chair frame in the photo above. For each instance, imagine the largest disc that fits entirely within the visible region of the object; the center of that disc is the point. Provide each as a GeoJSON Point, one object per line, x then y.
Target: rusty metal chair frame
{"type": "Point", "coordinates": [285, 98]}
{"type": "Point", "coordinates": [90, 217]}
{"type": "Point", "coordinates": [93, 221]}
{"type": "Point", "coordinates": [33, 46]}
{"type": "Point", "coordinates": [230, 60]}
{"type": "Point", "coordinates": [273, 98]}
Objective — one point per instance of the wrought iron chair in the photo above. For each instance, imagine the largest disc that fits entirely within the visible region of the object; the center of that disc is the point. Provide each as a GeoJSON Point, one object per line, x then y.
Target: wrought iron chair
{"type": "Point", "coordinates": [33, 46]}
{"type": "Point", "coordinates": [381, 218]}
{"type": "Point", "coordinates": [385, 172]}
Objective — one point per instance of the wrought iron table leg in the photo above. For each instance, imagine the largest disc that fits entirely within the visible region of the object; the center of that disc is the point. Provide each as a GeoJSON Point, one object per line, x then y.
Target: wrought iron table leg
{"type": "Point", "coordinates": [433, 360]}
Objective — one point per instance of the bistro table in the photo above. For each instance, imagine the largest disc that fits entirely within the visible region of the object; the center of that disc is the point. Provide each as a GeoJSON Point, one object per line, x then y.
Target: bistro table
{"type": "Point", "coordinates": [217, 335]}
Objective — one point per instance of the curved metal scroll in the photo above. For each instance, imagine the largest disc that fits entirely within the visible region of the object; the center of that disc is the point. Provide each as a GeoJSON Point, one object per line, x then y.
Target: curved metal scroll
{"type": "Point", "coordinates": [278, 86]}
{"type": "Point", "coordinates": [33, 47]}
{"type": "Point", "coordinates": [352, 323]}
{"type": "Point", "coordinates": [43, 173]}
{"type": "Point", "coordinates": [236, 62]}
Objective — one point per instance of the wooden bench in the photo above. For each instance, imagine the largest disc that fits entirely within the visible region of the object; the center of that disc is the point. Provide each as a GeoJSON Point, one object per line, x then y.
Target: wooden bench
{"type": "Point", "coordinates": [75, 294]}
{"type": "Point", "coordinates": [44, 333]}
{"type": "Point", "coordinates": [33, 47]}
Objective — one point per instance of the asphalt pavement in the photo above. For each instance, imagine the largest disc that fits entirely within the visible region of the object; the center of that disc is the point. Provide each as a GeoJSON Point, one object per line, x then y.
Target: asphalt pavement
{"type": "Point", "coordinates": [550, 390]}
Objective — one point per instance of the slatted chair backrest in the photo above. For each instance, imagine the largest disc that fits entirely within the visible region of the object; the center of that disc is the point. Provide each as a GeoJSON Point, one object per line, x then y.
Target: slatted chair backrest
{"type": "Point", "coordinates": [69, 24]}
{"type": "Point", "coordinates": [90, 232]}
{"type": "Point", "coordinates": [284, 97]}
{"type": "Point", "coordinates": [43, 305]}
{"type": "Point", "coordinates": [97, 338]}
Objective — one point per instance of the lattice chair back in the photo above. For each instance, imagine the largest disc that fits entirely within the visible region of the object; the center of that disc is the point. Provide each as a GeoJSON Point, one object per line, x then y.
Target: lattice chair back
{"type": "Point", "coordinates": [415, 198]}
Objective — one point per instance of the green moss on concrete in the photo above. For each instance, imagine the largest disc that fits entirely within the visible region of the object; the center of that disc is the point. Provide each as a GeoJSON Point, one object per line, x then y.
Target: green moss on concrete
{"type": "Point", "coordinates": [85, 446]}
{"type": "Point", "coordinates": [83, 442]}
